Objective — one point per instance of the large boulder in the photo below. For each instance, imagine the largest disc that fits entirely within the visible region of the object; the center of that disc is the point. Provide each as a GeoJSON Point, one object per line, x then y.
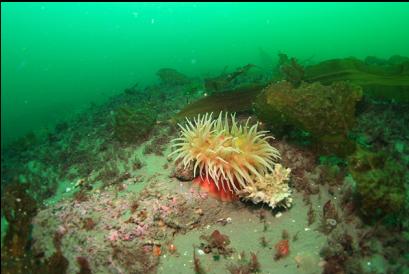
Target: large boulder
{"type": "Point", "coordinates": [380, 182]}
{"type": "Point", "coordinates": [327, 113]}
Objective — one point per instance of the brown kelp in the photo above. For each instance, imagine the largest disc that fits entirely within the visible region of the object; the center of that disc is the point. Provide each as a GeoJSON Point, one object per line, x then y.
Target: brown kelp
{"type": "Point", "coordinates": [290, 69]}
{"type": "Point", "coordinates": [223, 82]}
{"type": "Point", "coordinates": [387, 81]}
{"type": "Point", "coordinates": [237, 100]}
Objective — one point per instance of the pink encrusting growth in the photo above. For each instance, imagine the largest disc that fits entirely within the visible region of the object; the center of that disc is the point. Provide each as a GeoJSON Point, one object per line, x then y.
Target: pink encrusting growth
{"type": "Point", "coordinates": [224, 152]}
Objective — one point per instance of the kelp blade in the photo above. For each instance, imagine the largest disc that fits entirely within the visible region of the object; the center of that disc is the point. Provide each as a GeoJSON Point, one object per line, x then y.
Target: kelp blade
{"type": "Point", "coordinates": [238, 100]}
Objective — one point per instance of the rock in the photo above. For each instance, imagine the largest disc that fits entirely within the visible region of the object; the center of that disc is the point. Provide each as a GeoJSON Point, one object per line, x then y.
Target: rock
{"type": "Point", "coordinates": [171, 77]}
{"type": "Point", "coordinates": [132, 125]}
{"type": "Point", "coordinates": [184, 173]}
{"type": "Point", "coordinates": [380, 182]}
{"type": "Point", "coordinates": [326, 113]}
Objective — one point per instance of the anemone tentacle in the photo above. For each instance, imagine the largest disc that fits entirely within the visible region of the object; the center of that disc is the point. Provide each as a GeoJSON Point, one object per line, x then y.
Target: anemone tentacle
{"type": "Point", "coordinates": [224, 150]}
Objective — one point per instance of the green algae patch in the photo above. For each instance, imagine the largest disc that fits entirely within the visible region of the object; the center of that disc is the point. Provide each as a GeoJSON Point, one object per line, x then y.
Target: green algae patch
{"type": "Point", "coordinates": [380, 182]}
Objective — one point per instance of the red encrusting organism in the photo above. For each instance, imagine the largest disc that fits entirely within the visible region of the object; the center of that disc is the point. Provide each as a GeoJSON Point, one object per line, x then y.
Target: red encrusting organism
{"type": "Point", "coordinates": [282, 249]}
{"type": "Point", "coordinates": [208, 185]}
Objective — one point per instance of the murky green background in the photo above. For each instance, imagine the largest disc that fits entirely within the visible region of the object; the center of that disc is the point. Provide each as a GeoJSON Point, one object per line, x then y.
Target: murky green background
{"type": "Point", "coordinates": [58, 58]}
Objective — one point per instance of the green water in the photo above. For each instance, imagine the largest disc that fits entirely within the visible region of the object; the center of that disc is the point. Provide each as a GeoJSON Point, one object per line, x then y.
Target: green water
{"type": "Point", "coordinates": [59, 58]}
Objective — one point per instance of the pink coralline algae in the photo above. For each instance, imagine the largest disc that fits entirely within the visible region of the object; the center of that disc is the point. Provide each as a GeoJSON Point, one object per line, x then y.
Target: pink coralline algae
{"type": "Point", "coordinates": [113, 236]}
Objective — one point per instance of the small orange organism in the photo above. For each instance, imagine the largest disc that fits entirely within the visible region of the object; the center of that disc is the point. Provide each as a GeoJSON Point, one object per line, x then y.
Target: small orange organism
{"type": "Point", "coordinates": [282, 249]}
{"type": "Point", "coordinates": [156, 250]}
{"type": "Point", "coordinates": [172, 248]}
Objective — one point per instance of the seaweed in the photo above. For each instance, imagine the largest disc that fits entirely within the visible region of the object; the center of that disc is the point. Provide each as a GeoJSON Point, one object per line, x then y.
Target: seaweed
{"type": "Point", "coordinates": [373, 171]}
{"type": "Point", "coordinates": [329, 218]}
{"type": "Point", "coordinates": [334, 264]}
{"type": "Point", "coordinates": [18, 208]}
{"type": "Point", "coordinates": [311, 216]}
{"type": "Point", "coordinates": [197, 266]}
{"type": "Point", "coordinates": [89, 224]}
{"type": "Point", "coordinates": [56, 264]}
{"type": "Point", "coordinates": [263, 242]}
{"type": "Point", "coordinates": [262, 218]}
{"type": "Point", "coordinates": [290, 69]}
{"type": "Point", "coordinates": [381, 82]}
{"type": "Point", "coordinates": [134, 205]}
{"type": "Point", "coordinates": [245, 266]}
{"type": "Point", "coordinates": [218, 242]}
{"type": "Point", "coordinates": [340, 254]}
{"type": "Point", "coordinates": [23, 144]}
{"type": "Point", "coordinates": [137, 164]}
{"type": "Point", "coordinates": [237, 100]}
{"type": "Point", "coordinates": [84, 265]}
{"type": "Point", "coordinates": [225, 81]}
{"type": "Point", "coordinates": [81, 196]}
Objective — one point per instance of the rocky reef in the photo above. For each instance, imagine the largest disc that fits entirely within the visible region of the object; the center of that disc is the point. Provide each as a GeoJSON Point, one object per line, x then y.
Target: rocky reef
{"type": "Point", "coordinates": [327, 113]}
{"type": "Point", "coordinates": [133, 125]}
{"type": "Point", "coordinates": [172, 77]}
{"type": "Point", "coordinates": [108, 200]}
{"type": "Point", "coordinates": [18, 208]}
{"type": "Point", "coordinates": [380, 182]}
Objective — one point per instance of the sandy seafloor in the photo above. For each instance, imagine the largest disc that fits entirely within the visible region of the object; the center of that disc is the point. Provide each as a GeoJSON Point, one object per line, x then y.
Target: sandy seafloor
{"type": "Point", "coordinates": [119, 207]}
{"type": "Point", "coordinates": [244, 230]}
